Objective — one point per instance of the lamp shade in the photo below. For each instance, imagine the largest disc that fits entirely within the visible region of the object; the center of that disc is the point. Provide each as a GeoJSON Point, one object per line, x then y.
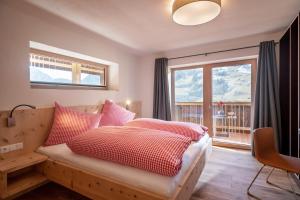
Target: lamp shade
{"type": "Point", "coordinates": [194, 12]}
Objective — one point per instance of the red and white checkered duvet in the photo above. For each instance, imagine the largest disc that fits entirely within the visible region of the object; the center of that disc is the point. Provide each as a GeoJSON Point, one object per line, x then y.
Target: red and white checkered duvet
{"type": "Point", "coordinates": [155, 151]}
{"type": "Point", "coordinates": [187, 129]}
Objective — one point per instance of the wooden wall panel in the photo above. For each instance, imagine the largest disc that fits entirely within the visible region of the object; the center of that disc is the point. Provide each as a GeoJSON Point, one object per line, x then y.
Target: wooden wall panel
{"type": "Point", "coordinates": [284, 73]}
{"type": "Point", "coordinates": [294, 90]}
{"type": "Point", "coordinates": [32, 126]}
{"type": "Point", "coordinates": [290, 89]}
{"type": "Point", "coordinates": [299, 87]}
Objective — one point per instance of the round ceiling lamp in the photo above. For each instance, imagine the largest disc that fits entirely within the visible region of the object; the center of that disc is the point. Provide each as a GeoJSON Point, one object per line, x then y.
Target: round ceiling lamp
{"type": "Point", "coordinates": [194, 12]}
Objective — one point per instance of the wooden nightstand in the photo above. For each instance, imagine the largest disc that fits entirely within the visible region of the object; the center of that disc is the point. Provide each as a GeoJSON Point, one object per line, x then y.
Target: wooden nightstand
{"type": "Point", "coordinates": [19, 175]}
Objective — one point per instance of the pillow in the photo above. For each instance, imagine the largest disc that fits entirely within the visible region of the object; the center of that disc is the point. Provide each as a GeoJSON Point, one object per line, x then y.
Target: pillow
{"type": "Point", "coordinates": [191, 130]}
{"type": "Point", "coordinates": [69, 123]}
{"type": "Point", "coordinates": [115, 115]}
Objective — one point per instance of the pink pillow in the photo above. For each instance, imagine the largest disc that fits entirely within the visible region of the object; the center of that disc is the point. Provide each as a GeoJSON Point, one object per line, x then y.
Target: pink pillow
{"type": "Point", "coordinates": [69, 123]}
{"type": "Point", "coordinates": [115, 115]}
{"type": "Point", "coordinates": [191, 130]}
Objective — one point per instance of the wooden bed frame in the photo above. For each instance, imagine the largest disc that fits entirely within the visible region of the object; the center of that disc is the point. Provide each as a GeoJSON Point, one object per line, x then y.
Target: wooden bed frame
{"type": "Point", "coordinates": [106, 188]}
{"type": "Point", "coordinates": [33, 126]}
{"type": "Point", "coordinates": [32, 129]}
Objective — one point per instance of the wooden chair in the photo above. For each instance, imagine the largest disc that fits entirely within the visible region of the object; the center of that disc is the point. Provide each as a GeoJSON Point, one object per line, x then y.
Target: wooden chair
{"type": "Point", "coordinates": [267, 154]}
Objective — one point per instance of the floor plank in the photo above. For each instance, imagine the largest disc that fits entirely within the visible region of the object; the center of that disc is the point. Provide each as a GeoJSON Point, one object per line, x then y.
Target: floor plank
{"type": "Point", "coordinates": [225, 177]}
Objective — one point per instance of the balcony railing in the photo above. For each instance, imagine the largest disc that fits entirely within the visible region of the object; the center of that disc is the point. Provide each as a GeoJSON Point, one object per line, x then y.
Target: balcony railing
{"type": "Point", "coordinates": [230, 119]}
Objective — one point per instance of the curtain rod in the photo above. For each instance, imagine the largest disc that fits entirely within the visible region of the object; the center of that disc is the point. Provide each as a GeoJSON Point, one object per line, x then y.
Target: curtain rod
{"type": "Point", "coordinates": [213, 52]}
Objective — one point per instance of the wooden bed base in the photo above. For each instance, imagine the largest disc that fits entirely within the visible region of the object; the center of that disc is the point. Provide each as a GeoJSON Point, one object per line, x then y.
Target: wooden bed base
{"type": "Point", "coordinates": [105, 188]}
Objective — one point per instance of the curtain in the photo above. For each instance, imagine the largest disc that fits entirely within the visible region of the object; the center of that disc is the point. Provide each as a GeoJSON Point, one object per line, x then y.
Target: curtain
{"type": "Point", "coordinates": [161, 100]}
{"type": "Point", "coordinates": [266, 104]}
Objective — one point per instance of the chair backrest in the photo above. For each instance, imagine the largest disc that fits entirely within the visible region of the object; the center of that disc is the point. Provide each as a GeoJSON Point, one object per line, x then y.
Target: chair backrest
{"type": "Point", "coordinates": [264, 142]}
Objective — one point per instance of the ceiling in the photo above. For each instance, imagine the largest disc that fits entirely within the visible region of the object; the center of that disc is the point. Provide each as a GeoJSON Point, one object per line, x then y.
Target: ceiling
{"type": "Point", "coordinates": [146, 25]}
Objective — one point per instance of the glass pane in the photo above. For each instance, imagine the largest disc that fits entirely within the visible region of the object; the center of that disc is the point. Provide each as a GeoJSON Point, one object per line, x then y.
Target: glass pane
{"type": "Point", "coordinates": [50, 75]}
{"type": "Point", "coordinates": [189, 85]}
{"type": "Point", "coordinates": [91, 79]}
{"type": "Point", "coordinates": [189, 95]}
{"type": "Point", "coordinates": [231, 97]}
{"type": "Point", "coordinates": [232, 84]}
{"type": "Point", "coordinates": [50, 70]}
{"type": "Point", "coordinates": [91, 75]}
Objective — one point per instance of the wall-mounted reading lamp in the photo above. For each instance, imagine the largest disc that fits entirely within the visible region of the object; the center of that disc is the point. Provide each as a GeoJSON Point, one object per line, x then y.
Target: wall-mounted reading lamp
{"type": "Point", "coordinates": [11, 121]}
{"type": "Point", "coordinates": [128, 102]}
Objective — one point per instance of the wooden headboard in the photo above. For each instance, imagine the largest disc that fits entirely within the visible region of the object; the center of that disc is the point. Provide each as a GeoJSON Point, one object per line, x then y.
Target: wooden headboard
{"type": "Point", "coordinates": [33, 126]}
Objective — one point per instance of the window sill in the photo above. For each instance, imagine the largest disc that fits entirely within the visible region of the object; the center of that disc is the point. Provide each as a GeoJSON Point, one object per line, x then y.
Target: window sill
{"type": "Point", "coordinates": [62, 86]}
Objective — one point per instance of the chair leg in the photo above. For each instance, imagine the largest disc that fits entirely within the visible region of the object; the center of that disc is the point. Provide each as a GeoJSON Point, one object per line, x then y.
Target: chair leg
{"type": "Point", "coordinates": [278, 186]}
{"type": "Point", "coordinates": [248, 190]}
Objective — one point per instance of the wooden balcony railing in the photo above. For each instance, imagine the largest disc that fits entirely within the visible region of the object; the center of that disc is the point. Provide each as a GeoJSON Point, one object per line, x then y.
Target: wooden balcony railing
{"type": "Point", "coordinates": [228, 117]}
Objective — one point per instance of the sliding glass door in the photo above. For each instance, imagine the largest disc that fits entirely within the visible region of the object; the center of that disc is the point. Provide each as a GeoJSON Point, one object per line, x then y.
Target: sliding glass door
{"type": "Point", "coordinates": [218, 96]}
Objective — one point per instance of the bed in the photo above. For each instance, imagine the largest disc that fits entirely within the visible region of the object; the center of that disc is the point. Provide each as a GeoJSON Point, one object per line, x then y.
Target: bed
{"type": "Point", "coordinates": [99, 179]}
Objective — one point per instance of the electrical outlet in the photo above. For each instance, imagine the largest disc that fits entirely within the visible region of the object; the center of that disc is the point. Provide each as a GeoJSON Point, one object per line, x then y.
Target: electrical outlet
{"type": "Point", "coordinates": [5, 149]}
{"type": "Point", "coordinates": [19, 145]}
{"type": "Point", "coordinates": [12, 147]}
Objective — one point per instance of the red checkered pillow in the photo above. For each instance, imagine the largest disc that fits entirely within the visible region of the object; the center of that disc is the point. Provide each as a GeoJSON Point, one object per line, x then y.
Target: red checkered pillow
{"type": "Point", "coordinates": [115, 115]}
{"type": "Point", "coordinates": [191, 130]}
{"type": "Point", "coordinates": [151, 150]}
{"type": "Point", "coordinates": [69, 123]}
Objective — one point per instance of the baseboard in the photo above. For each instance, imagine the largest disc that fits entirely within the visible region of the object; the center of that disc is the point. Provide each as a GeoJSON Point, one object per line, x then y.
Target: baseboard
{"type": "Point", "coordinates": [231, 145]}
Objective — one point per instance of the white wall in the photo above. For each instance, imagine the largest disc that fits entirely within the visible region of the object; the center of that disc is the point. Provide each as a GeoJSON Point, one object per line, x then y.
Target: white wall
{"type": "Point", "coordinates": [146, 83]}
{"type": "Point", "coordinates": [146, 63]}
{"type": "Point", "coordinates": [21, 23]}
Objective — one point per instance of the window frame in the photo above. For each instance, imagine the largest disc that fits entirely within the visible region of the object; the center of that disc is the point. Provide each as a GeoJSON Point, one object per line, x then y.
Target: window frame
{"type": "Point", "coordinates": [76, 65]}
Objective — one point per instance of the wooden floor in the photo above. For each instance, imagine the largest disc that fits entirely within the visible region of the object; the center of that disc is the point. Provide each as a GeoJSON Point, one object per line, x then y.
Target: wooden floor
{"type": "Point", "coordinates": [225, 177]}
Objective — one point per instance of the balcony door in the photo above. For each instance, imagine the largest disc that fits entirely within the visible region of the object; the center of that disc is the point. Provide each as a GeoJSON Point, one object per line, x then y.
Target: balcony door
{"type": "Point", "coordinates": [218, 96]}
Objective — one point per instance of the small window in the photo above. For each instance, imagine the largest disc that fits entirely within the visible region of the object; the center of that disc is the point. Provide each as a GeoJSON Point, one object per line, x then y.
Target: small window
{"type": "Point", "coordinates": [53, 69]}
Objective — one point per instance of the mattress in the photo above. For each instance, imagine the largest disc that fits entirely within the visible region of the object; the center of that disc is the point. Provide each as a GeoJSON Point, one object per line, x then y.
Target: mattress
{"type": "Point", "coordinates": [155, 183]}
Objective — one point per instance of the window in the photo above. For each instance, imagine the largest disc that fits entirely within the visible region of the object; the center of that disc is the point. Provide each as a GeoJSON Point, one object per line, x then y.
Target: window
{"type": "Point", "coordinates": [53, 69]}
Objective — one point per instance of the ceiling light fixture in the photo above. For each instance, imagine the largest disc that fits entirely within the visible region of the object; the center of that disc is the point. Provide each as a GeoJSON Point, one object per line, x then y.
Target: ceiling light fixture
{"type": "Point", "coordinates": [194, 12]}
